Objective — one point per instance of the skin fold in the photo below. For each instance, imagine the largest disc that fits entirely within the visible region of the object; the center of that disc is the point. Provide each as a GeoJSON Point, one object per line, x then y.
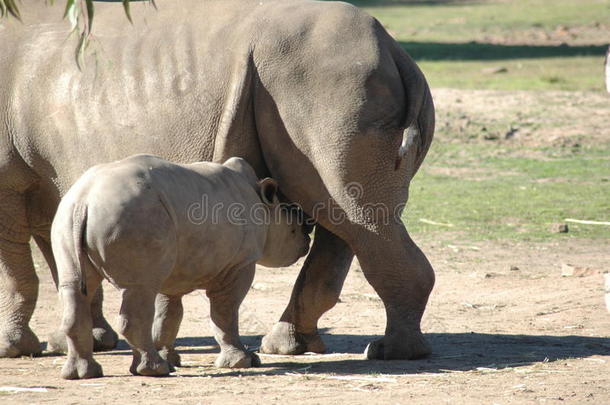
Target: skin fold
{"type": "Point", "coordinates": [316, 95]}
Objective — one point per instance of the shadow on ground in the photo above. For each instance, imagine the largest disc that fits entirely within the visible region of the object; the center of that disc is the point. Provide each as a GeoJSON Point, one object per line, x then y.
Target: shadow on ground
{"type": "Point", "coordinates": [435, 51]}
{"type": "Point", "coordinates": [452, 352]}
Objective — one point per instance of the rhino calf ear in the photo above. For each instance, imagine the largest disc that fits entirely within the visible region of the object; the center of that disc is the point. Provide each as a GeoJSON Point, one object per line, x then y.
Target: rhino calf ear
{"type": "Point", "coordinates": [268, 190]}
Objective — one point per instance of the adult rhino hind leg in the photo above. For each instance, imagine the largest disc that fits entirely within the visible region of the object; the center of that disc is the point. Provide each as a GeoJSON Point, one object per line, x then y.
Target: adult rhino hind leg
{"type": "Point", "coordinates": [402, 276]}
{"type": "Point", "coordinates": [18, 280]}
{"type": "Point", "coordinates": [316, 291]}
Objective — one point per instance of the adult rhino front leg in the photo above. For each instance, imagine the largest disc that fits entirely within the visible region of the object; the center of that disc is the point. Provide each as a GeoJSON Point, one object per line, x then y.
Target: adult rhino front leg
{"type": "Point", "coordinates": [316, 291]}
{"type": "Point", "coordinates": [18, 280]}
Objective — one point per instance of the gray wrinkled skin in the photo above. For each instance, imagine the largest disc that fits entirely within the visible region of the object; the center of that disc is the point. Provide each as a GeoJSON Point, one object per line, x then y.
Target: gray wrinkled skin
{"type": "Point", "coordinates": [131, 222]}
{"type": "Point", "coordinates": [316, 95]}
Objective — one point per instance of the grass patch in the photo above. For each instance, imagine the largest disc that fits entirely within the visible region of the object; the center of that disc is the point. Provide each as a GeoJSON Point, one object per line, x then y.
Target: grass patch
{"type": "Point", "coordinates": [459, 21]}
{"type": "Point", "coordinates": [574, 73]}
{"type": "Point", "coordinates": [508, 196]}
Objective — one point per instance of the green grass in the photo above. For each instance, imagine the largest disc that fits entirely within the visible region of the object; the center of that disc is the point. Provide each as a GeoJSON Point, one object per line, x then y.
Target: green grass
{"type": "Point", "coordinates": [509, 196]}
{"type": "Point", "coordinates": [453, 41]}
{"type": "Point", "coordinates": [459, 21]}
{"type": "Point", "coordinates": [575, 73]}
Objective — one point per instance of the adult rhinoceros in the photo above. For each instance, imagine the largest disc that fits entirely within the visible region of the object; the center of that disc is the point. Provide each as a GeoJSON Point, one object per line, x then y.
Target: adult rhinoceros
{"type": "Point", "coordinates": [315, 94]}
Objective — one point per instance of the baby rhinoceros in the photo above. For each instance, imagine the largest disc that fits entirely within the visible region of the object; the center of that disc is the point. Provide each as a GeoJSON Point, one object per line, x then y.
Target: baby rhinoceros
{"type": "Point", "coordinates": [150, 226]}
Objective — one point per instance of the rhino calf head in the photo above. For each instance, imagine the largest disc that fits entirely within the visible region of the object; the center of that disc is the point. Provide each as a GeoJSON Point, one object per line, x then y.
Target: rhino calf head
{"type": "Point", "coordinates": [287, 239]}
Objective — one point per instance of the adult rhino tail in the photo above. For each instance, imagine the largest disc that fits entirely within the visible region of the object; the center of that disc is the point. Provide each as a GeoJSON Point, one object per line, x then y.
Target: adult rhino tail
{"type": "Point", "coordinates": [418, 123]}
{"type": "Point", "coordinates": [79, 231]}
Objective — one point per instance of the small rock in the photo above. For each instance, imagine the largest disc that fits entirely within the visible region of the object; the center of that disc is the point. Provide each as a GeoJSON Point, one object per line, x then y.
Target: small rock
{"type": "Point", "coordinates": [511, 133]}
{"type": "Point", "coordinates": [559, 228]}
{"type": "Point", "coordinates": [569, 270]}
{"type": "Point", "coordinates": [494, 70]}
{"type": "Point", "coordinates": [260, 286]}
{"type": "Point", "coordinates": [514, 268]}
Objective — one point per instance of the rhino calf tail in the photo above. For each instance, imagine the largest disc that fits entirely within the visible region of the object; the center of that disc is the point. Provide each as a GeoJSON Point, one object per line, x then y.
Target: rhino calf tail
{"type": "Point", "coordinates": [79, 229]}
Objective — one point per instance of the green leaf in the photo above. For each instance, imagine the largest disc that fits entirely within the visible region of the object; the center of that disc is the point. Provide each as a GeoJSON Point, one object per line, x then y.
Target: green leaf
{"type": "Point", "coordinates": [2, 8]}
{"type": "Point", "coordinates": [69, 5]}
{"type": "Point", "coordinates": [80, 50]}
{"type": "Point", "coordinates": [127, 10]}
{"type": "Point", "coordinates": [12, 8]}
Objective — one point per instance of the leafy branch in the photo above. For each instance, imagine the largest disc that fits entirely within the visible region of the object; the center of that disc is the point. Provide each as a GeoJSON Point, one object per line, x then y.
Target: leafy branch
{"type": "Point", "coordinates": [80, 15]}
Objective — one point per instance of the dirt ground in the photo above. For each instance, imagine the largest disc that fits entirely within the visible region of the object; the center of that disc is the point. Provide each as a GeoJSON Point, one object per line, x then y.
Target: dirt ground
{"type": "Point", "coordinates": [505, 325]}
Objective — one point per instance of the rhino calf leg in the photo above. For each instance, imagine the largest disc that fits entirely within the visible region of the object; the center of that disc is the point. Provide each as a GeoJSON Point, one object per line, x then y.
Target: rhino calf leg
{"type": "Point", "coordinates": [316, 290]}
{"type": "Point", "coordinates": [168, 316]}
{"type": "Point", "coordinates": [224, 319]}
{"type": "Point", "coordinates": [104, 337]}
{"type": "Point", "coordinates": [136, 319]}
{"type": "Point", "coordinates": [76, 326]}
{"type": "Point", "coordinates": [18, 280]}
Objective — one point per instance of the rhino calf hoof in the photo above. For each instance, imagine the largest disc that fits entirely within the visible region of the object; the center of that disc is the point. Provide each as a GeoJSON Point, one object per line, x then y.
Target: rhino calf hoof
{"type": "Point", "coordinates": [283, 339]}
{"type": "Point", "coordinates": [75, 369]}
{"type": "Point", "coordinates": [19, 343]}
{"type": "Point", "coordinates": [237, 359]}
{"type": "Point", "coordinates": [400, 349]}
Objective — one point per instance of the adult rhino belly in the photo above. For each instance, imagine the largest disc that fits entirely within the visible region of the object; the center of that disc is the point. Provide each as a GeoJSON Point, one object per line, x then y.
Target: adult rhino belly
{"type": "Point", "coordinates": [159, 87]}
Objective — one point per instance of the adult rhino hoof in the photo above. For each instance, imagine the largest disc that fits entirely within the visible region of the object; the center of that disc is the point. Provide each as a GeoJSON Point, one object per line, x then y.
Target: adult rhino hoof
{"type": "Point", "coordinates": [412, 348]}
{"type": "Point", "coordinates": [19, 342]}
{"type": "Point", "coordinates": [76, 369]}
{"type": "Point", "coordinates": [237, 359]}
{"type": "Point", "coordinates": [160, 368]}
{"type": "Point", "coordinates": [284, 339]}
{"type": "Point", "coordinates": [104, 339]}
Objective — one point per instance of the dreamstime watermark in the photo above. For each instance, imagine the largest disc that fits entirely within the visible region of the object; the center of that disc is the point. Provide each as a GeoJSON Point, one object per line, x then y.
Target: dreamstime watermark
{"type": "Point", "coordinates": [348, 206]}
